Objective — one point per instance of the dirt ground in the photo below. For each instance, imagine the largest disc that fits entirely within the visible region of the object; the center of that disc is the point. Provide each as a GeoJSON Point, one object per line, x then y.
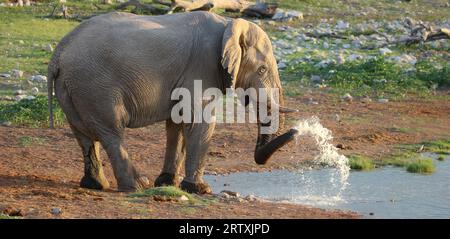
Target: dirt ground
{"type": "Point", "coordinates": [36, 177]}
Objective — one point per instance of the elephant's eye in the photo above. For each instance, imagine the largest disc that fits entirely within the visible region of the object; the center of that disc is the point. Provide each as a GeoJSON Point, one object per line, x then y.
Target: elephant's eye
{"type": "Point", "coordinates": [262, 70]}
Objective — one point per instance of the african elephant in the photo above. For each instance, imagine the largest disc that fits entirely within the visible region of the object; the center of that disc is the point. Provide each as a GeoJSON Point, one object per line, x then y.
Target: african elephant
{"type": "Point", "coordinates": [118, 70]}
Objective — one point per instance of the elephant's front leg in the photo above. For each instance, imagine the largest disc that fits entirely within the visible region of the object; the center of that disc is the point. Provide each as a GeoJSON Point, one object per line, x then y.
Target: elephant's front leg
{"type": "Point", "coordinates": [197, 138]}
{"type": "Point", "coordinates": [175, 155]}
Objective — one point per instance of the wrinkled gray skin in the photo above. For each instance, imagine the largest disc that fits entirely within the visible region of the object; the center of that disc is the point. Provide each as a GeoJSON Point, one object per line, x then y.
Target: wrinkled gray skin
{"type": "Point", "coordinates": [118, 70]}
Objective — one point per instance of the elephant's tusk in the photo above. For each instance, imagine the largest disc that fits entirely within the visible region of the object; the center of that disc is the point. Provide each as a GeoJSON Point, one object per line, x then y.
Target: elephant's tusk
{"type": "Point", "coordinates": [286, 110]}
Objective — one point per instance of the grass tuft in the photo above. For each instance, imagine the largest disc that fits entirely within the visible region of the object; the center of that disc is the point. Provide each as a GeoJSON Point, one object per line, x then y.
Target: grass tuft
{"type": "Point", "coordinates": [166, 191]}
{"type": "Point", "coordinates": [358, 162]}
{"type": "Point", "coordinates": [424, 166]}
{"type": "Point", "coordinates": [32, 113]}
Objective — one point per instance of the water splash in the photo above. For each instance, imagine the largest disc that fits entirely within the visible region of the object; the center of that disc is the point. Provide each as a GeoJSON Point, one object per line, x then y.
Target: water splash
{"type": "Point", "coordinates": [328, 154]}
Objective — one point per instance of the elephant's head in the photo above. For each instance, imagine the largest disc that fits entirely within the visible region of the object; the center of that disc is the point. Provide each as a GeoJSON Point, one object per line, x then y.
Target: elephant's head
{"type": "Point", "coordinates": [248, 57]}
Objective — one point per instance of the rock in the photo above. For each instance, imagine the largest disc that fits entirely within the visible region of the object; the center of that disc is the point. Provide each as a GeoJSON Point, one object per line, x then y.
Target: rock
{"type": "Point", "coordinates": [17, 73]}
{"type": "Point", "coordinates": [34, 90]}
{"type": "Point", "coordinates": [385, 51]}
{"type": "Point", "coordinates": [405, 59]}
{"type": "Point", "coordinates": [48, 48]}
{"type": "Point", "coordinates": [354, 57]}
{"type": "Point", "coordinates": [19, 92]}
{"type": "Point", "coordinates": [383, 100]}
{"type": "Point", "coordinates": [326, 45]}
{"type": "Point", "coordinates": [281, 65]}
{"type": "Point", "coordinates": [323, 64]}
{"type": "Point", "coordinates": [342, 25]}
{"type": "Point", "coordinates": [5, 75]}
{"type": "Point", "coordinates": [229, 193]}
{"type": "Point", "coordinates": [347, 97]}
{"type": "Point", "coordinates": [340, 59]}
{"type": "Point", "coordinates": [19, 97]}
{"type": "Point", "coordinates": [337, 118]}
{"type": "Point", "coordinates": [316, 79]}
{"type": "Point", "coordinates": [6, 123]}
{"type": "Point", "coordinates": [285, 16]}
{"type": "Point", "coordinates": [183, 198]}
{"type": "Point", "coordinates": [29, 97]}
{"type": "Point", "coordinates": [6, 98]}
{"type": "Point", "coordinates": [39, 78]}
{"type": "Point", "coordinates": [56, 211]}
{"type": "Point", "coordinates": [346, 46]}
{"type": "Point", "coordinates": [366, 99]}
{"type": "Point", "coordinates": [357, 43]}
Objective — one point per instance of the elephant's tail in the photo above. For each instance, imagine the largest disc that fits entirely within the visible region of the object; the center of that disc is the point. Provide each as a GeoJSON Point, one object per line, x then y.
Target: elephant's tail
{"type": "Point", "coordinates": [53, 71]}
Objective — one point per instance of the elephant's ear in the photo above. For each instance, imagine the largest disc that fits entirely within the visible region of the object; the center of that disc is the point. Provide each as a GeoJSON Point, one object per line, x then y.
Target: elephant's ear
{"type": "Point", "coordinates": [232, 43]}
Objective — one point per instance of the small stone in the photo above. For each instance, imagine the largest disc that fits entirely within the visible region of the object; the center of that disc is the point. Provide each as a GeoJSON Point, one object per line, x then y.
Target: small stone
{"type": "Point", "coordinates": [183, 198]}
{"type": "Point", "coordinates": [316, 79]}
{"type": "Point", "coordinates": [39, 78]}
{"type": "Point", "coordinates": [56, 211]}
{"type": "Point", "coordinates": [34, 90]}
{"type": "Point", "coordinates": [19, 97]}
{"type": "Point", "coordinates": [48, 48]}
{"type": "Point", "coordinates": [326, 45]}
{"type": "Point", "coordinates": [366, 99]}
{"type": "Point", "coordinates": [354, 57]}
{"type": "Point", "coordinates": [383, 100]}
{"type": "Point", "coordinates": [347, 97]}
{"type": "Point", "coordinates": [19, 92]}
{"type": "Point", "coordinates": [29, 97]}
{"type": "Point", "coordinates": [6, 98]}
{"type": "Point", "coordinates": [230, 193]}
{"type": "Point", "coordinates": [5, 75]}
{"type": "Point", "coordinates": [385, 51]}
{"type": "Point", "coordinates": [337, 118]}
{"type": "Point", "coordinates": [6, 123]}
{"type": "Point", "coordinates": [342, 25]}
{"type": "Point", "coordinates": [281, 65]}
{"type": "Point", "coordinates": [17, 73]}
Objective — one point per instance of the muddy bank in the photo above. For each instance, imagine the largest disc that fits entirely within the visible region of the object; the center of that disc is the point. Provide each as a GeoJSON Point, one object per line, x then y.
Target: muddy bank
{"type": "Point", "coordinates": [40, 168]}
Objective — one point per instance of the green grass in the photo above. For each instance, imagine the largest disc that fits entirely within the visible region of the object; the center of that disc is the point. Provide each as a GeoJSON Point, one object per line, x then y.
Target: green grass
{"type": "Point", "coordinates": [424, 166]}
{"type": "Point", "coordinates": [166, 191]}
{"type": "Point", "coordinates": [28, 141]}
{"type": "Point", "coordinates": [439, 146]}
{"type": "Point", "coordinates": [358, 162]}
{"type": "Point", "coordinates": [3, 216]}
{"type": "Point", "coordinates": [441, 157]}
{"type": "Point", "coordinates": [361, 78]}
{"type": "Point", "coordinates": [31, 113]}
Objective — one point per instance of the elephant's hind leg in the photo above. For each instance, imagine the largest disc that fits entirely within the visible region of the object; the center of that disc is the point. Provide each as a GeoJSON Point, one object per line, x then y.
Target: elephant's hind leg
{"type": "Point", "coordinates": [93, 178]}
{"type": "Point", "coordinates": [175, 155]}
{"type": "Point", "coordinates": [128, 179]}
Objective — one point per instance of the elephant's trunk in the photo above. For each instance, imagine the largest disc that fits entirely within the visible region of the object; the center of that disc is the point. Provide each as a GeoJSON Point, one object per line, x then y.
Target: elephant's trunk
{"type": "Point", "coordinates": [268, 144]}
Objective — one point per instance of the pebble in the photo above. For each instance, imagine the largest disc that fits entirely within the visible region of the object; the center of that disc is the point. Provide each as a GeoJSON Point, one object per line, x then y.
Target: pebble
{"type": "Point", "coordinates": [34, 90]}
{"type": "Point", "coordinates": [347, 97]}
{"type": "Point", "coordinates": [281, 65]}
{"type": "Point", "coordinates": [385, 51]}
{"type": "Point", "coordinates": [29, 97]}
{"type": "Point", "coordinates": [383, 100]}
{"type": "Point", "coordinates": [183, 198]}
{"type": "Point", "coordinates": [19, 97]}
{"type": "Point", "coordinates": [6, 123]}
{"type": "Point", "coordinates": [316, 79]}
{"type": "Point", "coordinates": [5, 75]}
{"type": "Point", "coordinates": [39, 78]}
{"type": "Point", "coordinates": [229, 193]}
{"type": "Point", "coordinates": [56, 211]}
{"type": "Point", "coordinates": [19, 92]}
{"type": "Point", "coordinates": [342, 25]}
{"type": "Point", "coordinates": [48, 48]}
{"type": "Point", "coordinates": [17, 73]}
{"type": "Point", "coordinates": [366, 99]}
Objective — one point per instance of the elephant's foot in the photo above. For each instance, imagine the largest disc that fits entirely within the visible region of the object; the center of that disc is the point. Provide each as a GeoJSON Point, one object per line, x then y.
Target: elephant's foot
{"type": "Point", "coordinates": [98, 183]}
{"type": "Point", "coordinates": [167, 179]}
{"type": "Point", "coordinates": [198, 188]}
{"type": "Point", "coordinates": [133, 185]}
